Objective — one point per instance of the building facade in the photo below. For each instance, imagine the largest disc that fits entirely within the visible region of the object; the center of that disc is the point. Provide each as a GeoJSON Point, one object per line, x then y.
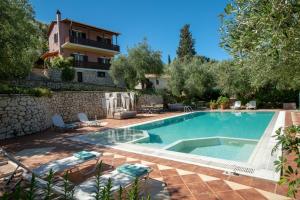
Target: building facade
{"type": "Point", "coordinates": [91, 47]}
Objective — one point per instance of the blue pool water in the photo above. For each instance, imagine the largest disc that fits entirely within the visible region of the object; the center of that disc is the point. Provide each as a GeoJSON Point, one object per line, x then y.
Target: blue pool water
{"type": "Point", "coordinates": [244, 125]}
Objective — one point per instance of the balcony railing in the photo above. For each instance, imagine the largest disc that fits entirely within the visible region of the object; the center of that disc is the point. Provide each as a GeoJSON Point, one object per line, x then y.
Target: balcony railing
{"type": "Point", "coordinates": [91, 65]}
{"type": "Point", "coordinates": [93, 43]}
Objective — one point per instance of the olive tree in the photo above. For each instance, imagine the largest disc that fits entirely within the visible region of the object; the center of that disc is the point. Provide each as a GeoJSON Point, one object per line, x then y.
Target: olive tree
{"type": "Point", "coordinates": [132, 68]}
{"type": "Point", "coordinates": [19, 39]}
{"type": "Point", "coordinates": [264, 35]}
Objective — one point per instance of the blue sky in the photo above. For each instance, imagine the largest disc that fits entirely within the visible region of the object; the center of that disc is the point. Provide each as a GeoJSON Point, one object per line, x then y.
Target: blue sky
{"type": "Point", "coordinates": [157, 20]}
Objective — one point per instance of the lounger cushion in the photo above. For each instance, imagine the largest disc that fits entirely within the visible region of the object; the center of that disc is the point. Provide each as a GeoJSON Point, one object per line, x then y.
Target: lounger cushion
{"type": "Point", "coordinates": [133, 170]}
{"type": "Point", "coordinates": [85, 155]}
{"type": "Point", "coordinates": [60, 165]}
{"type": "Point", "coordinates": [86, 190]}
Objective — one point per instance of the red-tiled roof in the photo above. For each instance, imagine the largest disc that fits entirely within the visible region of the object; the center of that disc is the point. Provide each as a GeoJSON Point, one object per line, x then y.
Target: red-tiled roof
{"type": "Point", "coordinates": [49, 54]}
{"type": "Point", "coordinates": [83, 25]}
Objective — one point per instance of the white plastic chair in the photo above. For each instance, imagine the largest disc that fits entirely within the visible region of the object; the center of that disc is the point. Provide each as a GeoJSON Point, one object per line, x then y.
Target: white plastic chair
{"type": "Point", "coordinates": [85, 120]}
{"type": "Point", "coordinates": [237, 105]}
{"type": "Point", "coordinates": [59, 122]}
{"type": "Point", "coordinates": [251, 105]}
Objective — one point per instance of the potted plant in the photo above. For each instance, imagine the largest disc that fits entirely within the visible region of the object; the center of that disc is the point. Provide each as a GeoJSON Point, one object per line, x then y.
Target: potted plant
{"type": "Point", "coordinates": [213, 104]}
{"type": "Point", "coordinates": [223, 102]}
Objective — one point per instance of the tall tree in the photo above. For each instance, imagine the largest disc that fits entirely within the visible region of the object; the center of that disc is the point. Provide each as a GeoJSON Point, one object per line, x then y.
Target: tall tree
{"type": "Point", "coordinates": [141, 60]}
{"type": "Point", "coordinates": [19, 39]}
{"type": "Point", "coordinates": [264, 35]}
{"type": "Point", "coordinates": [186, 46]}
{"type": "Point", "coordinates": [169, 60]}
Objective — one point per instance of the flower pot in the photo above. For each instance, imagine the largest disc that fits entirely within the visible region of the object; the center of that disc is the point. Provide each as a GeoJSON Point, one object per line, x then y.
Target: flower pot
{"type": "Point", "coordinates": [223, 106]}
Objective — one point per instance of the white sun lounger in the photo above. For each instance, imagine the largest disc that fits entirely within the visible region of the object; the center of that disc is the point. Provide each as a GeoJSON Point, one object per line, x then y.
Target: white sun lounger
{"type": "Point", "coordinates": [63, 164]}
{"type": "Point", "coordinates": [251, 105]}
{"type": "Point", "coordinates": [84, 119]}
{"type": "Point", "coordinates": [86, 190]}
{"type": "Point", "coordinates": [237, 105]}
{"type": "Point", "coordinates": [59, 122]}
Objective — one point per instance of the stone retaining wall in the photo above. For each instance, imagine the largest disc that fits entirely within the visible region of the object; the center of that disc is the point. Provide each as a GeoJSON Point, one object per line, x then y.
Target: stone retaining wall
{"type": "Point", "coordinates": [23, 114]}
{"type": "Point", "coordinates": [148, 99]}
{"type": "Point", "coordinates": [65, 86]}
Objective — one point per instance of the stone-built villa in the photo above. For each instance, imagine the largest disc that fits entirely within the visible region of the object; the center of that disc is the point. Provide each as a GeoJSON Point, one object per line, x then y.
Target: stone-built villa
{"type": "Point", "coordinates": [91, 47]}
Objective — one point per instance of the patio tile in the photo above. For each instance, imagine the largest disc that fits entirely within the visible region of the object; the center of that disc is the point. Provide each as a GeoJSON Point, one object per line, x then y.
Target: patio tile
{"type": "Point", "coordinates": [281, 189]}
{"type": "Point", "coordinates": [155, 174]}
{"type": "Point", "coordinates": [229, 195]}
{"type": "Point", "coordinates": [169, 172]}
{"type": "Point", "coordinates": [272, 196]}
{"type": "Point", "coordinates": [187, 167]}
{"type": "Point", "coordinates": [163, 167]}
{"type": "Point", "coordinates": [183, 172]}
{"type": "Point", "coordinates": [218, 186]}
{"type": "Point", "coordinates": [250, 194]}
{"type": "Point", "coordinates": [263, 184]}
{"type": "Point", "coordinates": [196, 188]}
{"type": "Point", "coordinates": [128, 159]}
{"type": "Point", "coordinates": [179, 192]}
{"type": "Point", "coordinates": [191, 178]}
{"type": "Point", "coordinates": [173, 180]}
{"type": "Point", "coordinates": [118, 156]}
{"type": "Point", "coordinates": [207, 178]}
{"type": "Point", "coordinates": [205, 196]}
{"type": "Point", "coordinates": [245, 180]}
{"type": "Point", "coordinates": [236, 186]}
{"type": "Point", "coordinates": [147, 163]}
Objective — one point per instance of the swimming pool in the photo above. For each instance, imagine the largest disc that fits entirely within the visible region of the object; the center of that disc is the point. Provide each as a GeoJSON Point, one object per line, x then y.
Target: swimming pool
{"type": "Point", "coordinates": [239, 142]}
{"type": "Point", "coordinates": [246, 126]}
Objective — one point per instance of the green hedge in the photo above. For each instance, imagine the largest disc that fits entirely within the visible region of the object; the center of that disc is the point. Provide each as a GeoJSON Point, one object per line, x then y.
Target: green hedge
{"type": "Point", "coordinates": [37, 91]}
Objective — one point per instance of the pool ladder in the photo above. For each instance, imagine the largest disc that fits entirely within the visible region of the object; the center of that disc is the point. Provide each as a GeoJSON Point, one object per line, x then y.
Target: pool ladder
{"type": "Point", "coordinates": [187, 109]}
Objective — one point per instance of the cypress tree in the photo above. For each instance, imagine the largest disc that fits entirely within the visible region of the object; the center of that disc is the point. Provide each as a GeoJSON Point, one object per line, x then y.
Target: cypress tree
{"type": "Point", "coordinates": [186, 44]}
{"type": "Point", "coordinates": [169, 60]}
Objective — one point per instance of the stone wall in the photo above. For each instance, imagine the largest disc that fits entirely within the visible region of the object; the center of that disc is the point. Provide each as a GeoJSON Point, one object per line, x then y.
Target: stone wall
{"type": "Point", "coordinates": [148, 99]}
{"type": "Point", "coordinates": [22, 114]}
{"type": "Point", "coordinates": [65, 86]}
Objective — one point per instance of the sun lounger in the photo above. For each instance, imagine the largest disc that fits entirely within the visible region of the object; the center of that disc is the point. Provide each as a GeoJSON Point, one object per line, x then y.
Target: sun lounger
{"type": "Point", "coordinates": [85, 121]}
{"type": "Point", "coordinates": [67, 163]}
{"type": "Point", "coordinates": [125, 114]}
{"type": "Point", "coordinates": [251, 105]}
{"type": "Point", "coordinates": [59, 123]}
{"type": "Point", "coordinates": [237, 105]}
{"type": "Point", "coordinates": [123, 176]}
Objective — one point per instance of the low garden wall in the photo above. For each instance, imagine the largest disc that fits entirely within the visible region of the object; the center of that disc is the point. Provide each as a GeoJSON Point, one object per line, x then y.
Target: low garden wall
{"type": "Point", "coordinates": [23, 114]}
{"type": "Point", "coordinates": [149, 99]}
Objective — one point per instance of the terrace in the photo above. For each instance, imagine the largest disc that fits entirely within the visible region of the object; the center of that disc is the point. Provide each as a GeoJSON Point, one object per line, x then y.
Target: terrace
{"type": "Point", "coordinates": [169, 179]}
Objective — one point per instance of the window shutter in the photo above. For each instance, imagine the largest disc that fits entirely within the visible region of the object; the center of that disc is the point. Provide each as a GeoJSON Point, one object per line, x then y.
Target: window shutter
{"type": "Point", "coordinates": [85, 58]}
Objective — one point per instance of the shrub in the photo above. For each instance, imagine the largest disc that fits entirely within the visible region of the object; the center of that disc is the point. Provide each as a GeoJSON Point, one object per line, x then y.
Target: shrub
{"type": "Point", "coordinates": [11, 89]}
{"type": "Point", "coordinates": [213, 104]}
{"type": "Point", "coordinates": [290, 144]}
{"type": "Point", "coordinates": [40, 92]}
{"type": "Point", "coordinates": [61, 62]}
{"type": "Point", "coordinates": [68, 74]}
{"type": "Point", "coordinates": [223, 101]}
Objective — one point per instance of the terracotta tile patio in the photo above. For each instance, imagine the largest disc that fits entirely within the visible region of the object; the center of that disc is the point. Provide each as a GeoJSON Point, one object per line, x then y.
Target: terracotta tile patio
{"type": "Point", "coordinates": [182, 181]}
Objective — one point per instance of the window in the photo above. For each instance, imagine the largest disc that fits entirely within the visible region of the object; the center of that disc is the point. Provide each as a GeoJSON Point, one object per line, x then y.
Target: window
{"type": "Point", "coordinates": [101, 74]}
{"type": "Point", "coordinates": [157, 82]}
{"type": "Point", "coordinates": [108, 41]}
{"type": "Point", "coordinates": [99, 39]}
{"type": "Point", "coordinates": [78, 34]}
{"type": "Point", "coordinates": [104, 60]}
{"type": "Point", "coordinates": [79, 57]}
{"type": "Point", "coordinates": [55, 37]}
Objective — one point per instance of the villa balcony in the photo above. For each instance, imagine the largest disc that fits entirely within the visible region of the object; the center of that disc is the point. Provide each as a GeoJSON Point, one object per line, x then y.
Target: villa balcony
{"type": "Point", "coordinates": [76, 43]}
{"type": "Point", "coordinates": [91, 65]}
